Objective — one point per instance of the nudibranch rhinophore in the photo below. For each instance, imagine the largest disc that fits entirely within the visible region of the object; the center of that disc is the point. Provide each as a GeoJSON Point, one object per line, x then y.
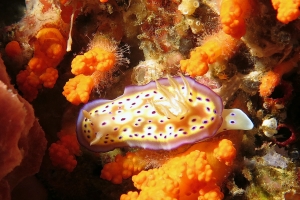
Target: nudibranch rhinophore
{"type": "Point", "coordinates": [160, 115]}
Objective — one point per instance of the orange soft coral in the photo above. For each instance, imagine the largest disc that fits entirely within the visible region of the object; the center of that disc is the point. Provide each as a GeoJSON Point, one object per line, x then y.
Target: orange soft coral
{"type": "Point", "coordinates": [49, 49]}
{"type": "Point", "coordinates": [13, 49]}
{"type": "Point", "coordinates": [272, 78]}
{"type": "Point", "coordinates": [95, 59]}
{"type": "Point", "coordinates": [196, 65]}
{"type": "Point", "coordinates": [97, 64]}
{"type": "Point", "coordinates": [62, 153]}
{"type": "Point", "coordinates": [123, 167]}
{"type": "Point", "coordinates": [215, 47]}
{"type": "Point", "coordinates": [77, 90]}
{"type": "Point", "coordinates": [186, 176]}
{"type": "Point", "coordinates": [225, 152]}
{"type": "Point", "coordinates": [233, 14]}
{"type": "Point", "coordinates": [287, 10]}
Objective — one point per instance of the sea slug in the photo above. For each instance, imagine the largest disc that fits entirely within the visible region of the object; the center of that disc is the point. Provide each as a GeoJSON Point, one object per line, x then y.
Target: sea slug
{"type": "Point", "coordinates": [160, 115]}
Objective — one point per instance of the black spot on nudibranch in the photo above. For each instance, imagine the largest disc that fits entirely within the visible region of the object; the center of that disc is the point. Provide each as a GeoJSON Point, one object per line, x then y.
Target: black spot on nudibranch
{"type": "Point", "coordinates": [232, 114]}
{"type": "Point", "coordinates": [120, 137]}
{"type": "Point", "coordinates": [212, 119]}
{"type": "Point", "coordinates": [205, 122]}
{"type": "Point", "coordinates": [96, 111]}
{"type": "Point", "coordinates": [181, 129]}
{"type": "Point", "coordinates": [154, 92]}
{"type": "Point", "coordinates": [103, 123]}
{"type": "Point", "coordinates": [232, 122]}
{"type": "Point", "coordinates": [133, 103]}
{"type": "Point", "coordinates": [122, 119]}
{"type": "Point", "coordinates": [138, 96]}
{"type": "Point", "coordinates": [136, 134]}
{"type": "Point", "coordinates": [201, 127]}
{"type": "Point", "coordinates": [120, 102]}
{"type": "Point", "coordinates": [107, 106]}
{"type": "Point", "coordinates": [149, 134]}
{"type": "Point", "coordinates": [207, 99]}
{"type": "Point", "coordinates": [161, 121]}
{"type": "Point", "coordinates": [208, 109]}
{"type": "Point", "coordinates": [127, 99]}
{"type": "Point", "coordinates": [153, 112]}
{"type": "Point", "coordinates": [115, 129]}
{"type": "Point", "coordinates": [215, 111]}
{"type": "Point", "coordinates": [199, 98]}
{"type": "Point", "coordinates": [125, 129]}
{"type": "Point", "coordinates": [193, 120]}
{"type": "Point", "coordinates": [88, 136]}
{"type": "Point", "coordinates": [147, 95]}
{"type": "Point", "coordinates": [190, 100]}
{"type": "Point", "coordinates": [184, 133]}
{"type": "Point", "coordinates": [175, 135]}
{"type": "Point", "coordinates": [149, 127]}
{"type": "Point", "coordinates": [194, 127]}
{"type": "Point", "coordinates": [181, 118]}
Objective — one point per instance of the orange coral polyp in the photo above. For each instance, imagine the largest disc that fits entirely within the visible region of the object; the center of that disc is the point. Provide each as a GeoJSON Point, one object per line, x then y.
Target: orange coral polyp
{"type": "Point", "coordinates": [225, 152]}
{"type": "Point", "coordinates": [77, 90]}
{"type": "Point", "coordinates": [287, 10]}
{"type": "Point", "coordinates": [95, 59]}
{"type": "Point", "coordinates": [233, 14]}
{"type": "Point", "coordinates": [181, 177]}
{"type": "Point", "coordinates": [13, 49]}
{"type": "Point", "coordinates": [215, 47]}
{"type": "Point", "coordinates": [49, 49]}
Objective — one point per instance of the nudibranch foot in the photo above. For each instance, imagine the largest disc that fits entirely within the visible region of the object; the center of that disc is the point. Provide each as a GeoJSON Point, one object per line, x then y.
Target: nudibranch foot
{"type": "Point", "coordinates": [235, 119]}
{"type": "Point", "coordinates": [160, 115]}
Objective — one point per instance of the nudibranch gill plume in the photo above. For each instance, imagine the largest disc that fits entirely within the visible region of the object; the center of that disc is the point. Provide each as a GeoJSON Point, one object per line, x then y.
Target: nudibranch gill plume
{"type": "Point", "coordinates": [160, 115]}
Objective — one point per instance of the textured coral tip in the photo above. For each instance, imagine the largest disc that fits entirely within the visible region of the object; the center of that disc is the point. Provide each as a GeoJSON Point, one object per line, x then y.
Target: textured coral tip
{"type": "Point", "coordinates": [210, 192]}
{"type": "Point", "coordinates": [94, 59]}
{"type": "Point", "coordinates": [61, 157]}
{"type": "Point", "coordinates": [197, 64]}
{"type": "Point", "coordinates": [225, 152]}
{"type": "Point", "coordinates": [233, 14]}
{"type": "Point", "coordinates": [49, 77]}
{"type": "Point", "coordinates": [268, 82]}
{"type": "Point", "coordinates": [28, 83]}
{"type": "Point", "coordinates": [71, 143]}
{"type": "Point", "coordinates": [287, 10]}
{"type": "Point", "coordinates": [13, 49]}
{"type": "Point", "coordinates": [51, 44]}
{"type": "Point", "coordinates": [77, 90]}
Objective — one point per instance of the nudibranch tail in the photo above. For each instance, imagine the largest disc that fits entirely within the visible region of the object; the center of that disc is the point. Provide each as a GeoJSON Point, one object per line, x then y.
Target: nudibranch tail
{"type": "Point", "coordinates": [160, 115]}
{"type": "Point", "coordinates": [235, 119]}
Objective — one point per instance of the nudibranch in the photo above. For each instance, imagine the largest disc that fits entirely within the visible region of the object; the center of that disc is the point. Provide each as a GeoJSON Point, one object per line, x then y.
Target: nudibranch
{"type": "Point", "coordinates": [160, 115]}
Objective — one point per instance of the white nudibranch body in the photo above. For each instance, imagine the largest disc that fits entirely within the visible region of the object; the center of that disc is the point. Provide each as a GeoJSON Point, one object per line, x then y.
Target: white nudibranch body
{"type": "Point", "coordinates": [160, 115]}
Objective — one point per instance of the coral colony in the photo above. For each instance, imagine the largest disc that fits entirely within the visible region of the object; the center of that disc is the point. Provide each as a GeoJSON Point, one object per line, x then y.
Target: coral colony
{"type": "Point", "coordinates": [210, 108]}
